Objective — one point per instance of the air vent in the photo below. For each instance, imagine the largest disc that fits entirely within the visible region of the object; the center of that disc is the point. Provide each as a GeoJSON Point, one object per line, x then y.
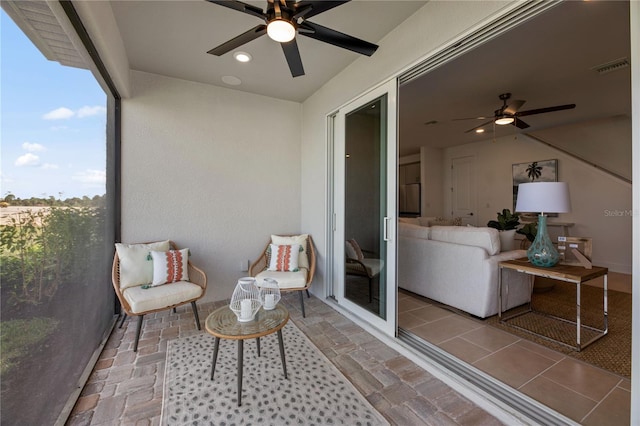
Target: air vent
{"type": "Point", "coordinates": [608, 67]}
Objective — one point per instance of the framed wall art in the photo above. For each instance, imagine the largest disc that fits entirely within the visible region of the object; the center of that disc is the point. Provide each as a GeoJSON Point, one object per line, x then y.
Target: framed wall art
{"type": "Point", "coordinates": [534, 171]}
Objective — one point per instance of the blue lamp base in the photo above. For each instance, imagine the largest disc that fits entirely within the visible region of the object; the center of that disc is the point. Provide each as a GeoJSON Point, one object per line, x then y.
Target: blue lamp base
{"type": "Point", "coordinates": [542, 251]}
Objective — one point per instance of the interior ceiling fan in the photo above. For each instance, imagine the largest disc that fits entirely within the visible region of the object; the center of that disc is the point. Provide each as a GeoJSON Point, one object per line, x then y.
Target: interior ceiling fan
{"type": "Point", "coordinates": [509, 113]}
{"type": "Point", "coordinates": [283, 19]}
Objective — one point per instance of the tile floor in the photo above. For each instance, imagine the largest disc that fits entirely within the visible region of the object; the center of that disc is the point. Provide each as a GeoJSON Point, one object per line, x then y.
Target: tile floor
{"type": "Point", "coordinates": [125, 387]}
{"type": "Point", "coordinates": [584, 393]}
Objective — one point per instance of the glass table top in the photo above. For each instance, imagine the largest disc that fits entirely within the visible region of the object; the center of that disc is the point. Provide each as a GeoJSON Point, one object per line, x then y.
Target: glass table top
{"type": "Point", "coordinates": [223, 323]}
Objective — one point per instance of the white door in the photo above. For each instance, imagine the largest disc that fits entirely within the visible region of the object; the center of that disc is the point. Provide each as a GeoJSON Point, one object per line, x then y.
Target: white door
{"type": "Point", "coordinates": [364, 201]}
{"type": "Point", "coordinates": [463, 191]}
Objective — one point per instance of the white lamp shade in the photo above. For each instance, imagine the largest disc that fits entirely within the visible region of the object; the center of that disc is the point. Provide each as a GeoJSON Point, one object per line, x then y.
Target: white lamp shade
{"type": "Point", "coordinates": [550, 197]}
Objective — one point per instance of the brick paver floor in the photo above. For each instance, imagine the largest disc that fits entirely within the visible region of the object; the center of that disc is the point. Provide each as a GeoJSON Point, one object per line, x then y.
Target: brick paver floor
{"type": "Point", "coordinates": [125, 387]}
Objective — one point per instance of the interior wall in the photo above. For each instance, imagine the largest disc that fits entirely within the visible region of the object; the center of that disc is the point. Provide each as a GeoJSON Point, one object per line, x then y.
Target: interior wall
{"type": "Point", "coordinates": [431, 182]}
{"type": "Point", "coordinates": [601, 205]}
{"type": "Point", "coordinates": [207, 168]}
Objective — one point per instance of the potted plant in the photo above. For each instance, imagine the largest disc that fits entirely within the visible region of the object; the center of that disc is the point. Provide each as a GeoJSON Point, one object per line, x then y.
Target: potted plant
{"type": "Point", "coordinates": [507, 224]}
{"type": "Point", "coordinates": [529, 231]}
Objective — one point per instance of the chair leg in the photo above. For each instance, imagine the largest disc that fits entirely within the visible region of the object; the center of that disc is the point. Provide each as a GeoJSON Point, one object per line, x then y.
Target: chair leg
{"type": "Point", "coordinates": [302, 304]}
{"type": "Point", "coordinates": [308, 295]}
{"type": "Point", "coordinates": [195, 314]}
{"type": "Point", "coordinates": [370, 290]}
{"type": "Point", "coordinates": [174, 310]}
{"type": "Point", "coordinates": [124, 317]}
{"type": "Point", "coordinates": [135, 345]}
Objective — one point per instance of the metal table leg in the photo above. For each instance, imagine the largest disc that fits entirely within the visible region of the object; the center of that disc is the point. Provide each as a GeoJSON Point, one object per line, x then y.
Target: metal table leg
{"type": "Point", "coordinates": [281, 344]}
{"type": "Point", "coordinates": [216, 344]}
{"type": "Point", "coordinates": [240, 362]}
{"type": "Point", "coordinates": [258, 345]}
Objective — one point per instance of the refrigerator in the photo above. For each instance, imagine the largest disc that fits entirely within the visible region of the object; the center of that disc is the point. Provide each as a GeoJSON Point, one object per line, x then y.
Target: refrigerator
{"type": "Point", "coordinates": [410, 199]}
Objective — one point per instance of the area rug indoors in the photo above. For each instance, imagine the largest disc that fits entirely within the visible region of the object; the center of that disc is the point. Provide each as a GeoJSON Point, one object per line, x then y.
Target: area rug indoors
{"type": "Point", "coordinates": [612, 352]}
{"type": "Point", "coordinates": [316, 393]}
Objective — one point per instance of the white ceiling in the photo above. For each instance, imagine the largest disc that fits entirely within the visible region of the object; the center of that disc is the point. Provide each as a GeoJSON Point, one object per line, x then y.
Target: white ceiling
{"type": "Point", "coordinates": [546, 61]}
{"type": "Point", "coordinates": [172, 38]}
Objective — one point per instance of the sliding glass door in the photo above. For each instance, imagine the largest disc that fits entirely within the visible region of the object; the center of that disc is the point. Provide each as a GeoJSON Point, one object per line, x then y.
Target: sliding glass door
{"type": "Point", "coordinates": [365, 207]}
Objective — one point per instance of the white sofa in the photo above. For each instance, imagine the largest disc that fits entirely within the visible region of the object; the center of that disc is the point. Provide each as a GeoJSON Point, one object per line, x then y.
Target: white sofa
{"type": "Point", "coordinates": [458, 266]}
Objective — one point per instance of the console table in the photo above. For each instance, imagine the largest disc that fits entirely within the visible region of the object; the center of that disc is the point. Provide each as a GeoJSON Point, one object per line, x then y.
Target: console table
{"type": "Point", "coordinates": [568, 273]}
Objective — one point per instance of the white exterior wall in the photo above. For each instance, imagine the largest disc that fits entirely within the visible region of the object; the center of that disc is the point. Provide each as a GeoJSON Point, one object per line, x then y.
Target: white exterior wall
{"type": "Point", "coordinates": [216, 170]}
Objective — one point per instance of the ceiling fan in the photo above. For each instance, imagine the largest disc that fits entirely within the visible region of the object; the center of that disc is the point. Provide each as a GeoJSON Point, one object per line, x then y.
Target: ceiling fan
{"type": "Point", "coordinates": [283, 18]}
{"type": "Point", "coordinates": [509, 113]}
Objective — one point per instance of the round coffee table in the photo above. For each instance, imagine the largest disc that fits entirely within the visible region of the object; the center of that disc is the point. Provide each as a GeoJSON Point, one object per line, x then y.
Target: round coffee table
{"type": "Point", "coordinates": [223, 324]}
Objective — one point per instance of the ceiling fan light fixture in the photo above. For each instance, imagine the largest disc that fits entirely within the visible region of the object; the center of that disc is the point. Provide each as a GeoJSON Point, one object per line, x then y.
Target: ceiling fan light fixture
{"type": "Point", "coordinates": [281, 30]}
{"type": "Point", "coordinates": [504, 120]}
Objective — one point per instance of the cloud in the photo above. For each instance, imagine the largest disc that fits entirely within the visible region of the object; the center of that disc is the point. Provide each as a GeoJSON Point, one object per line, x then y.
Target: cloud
{"type": "Point", "coordinates": [33, 147]}
{"type": "Point", "coordinates": [92, 178]}
{"type": "Point", "coordinates": [64, 113]}
{"type": "Point", "coordinates": [28, 160]}
{"type": "Point", "coordinates": [50, 166]}
{"type": "Point", "coordinates": [89, 111]}
{"type": "Point", "coordinates": [61, 113]}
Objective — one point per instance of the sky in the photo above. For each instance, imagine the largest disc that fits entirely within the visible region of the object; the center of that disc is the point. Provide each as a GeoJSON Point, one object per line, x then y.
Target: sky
{"type": "Point", "coordinates": [53, 123]}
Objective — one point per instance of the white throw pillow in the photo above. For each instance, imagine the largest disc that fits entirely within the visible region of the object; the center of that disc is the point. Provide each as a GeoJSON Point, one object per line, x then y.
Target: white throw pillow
{"type": "Point", "coordinates": [136, 268]}
{"type": "Point", "coordinates": [170, 266]}
{"type": "Point", "coordinates": [303, 258]}
{"type": "Point", "coordinates": [284, 258]}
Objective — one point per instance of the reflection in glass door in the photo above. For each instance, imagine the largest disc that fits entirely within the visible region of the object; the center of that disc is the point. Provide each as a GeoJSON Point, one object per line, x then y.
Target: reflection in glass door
{"type": "Point", "coordinates": [364, 206]}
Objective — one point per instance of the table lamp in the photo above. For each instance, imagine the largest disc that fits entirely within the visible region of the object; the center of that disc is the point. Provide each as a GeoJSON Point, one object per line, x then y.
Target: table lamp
{"type": "Point", "coordinates": [550, 197]}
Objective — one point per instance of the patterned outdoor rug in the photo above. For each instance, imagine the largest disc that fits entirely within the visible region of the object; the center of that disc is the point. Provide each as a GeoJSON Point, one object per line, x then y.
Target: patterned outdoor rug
{"type": "Point", "coordinates": [316, 393]}
{"type": "Point", "coordinates": [612, 352]}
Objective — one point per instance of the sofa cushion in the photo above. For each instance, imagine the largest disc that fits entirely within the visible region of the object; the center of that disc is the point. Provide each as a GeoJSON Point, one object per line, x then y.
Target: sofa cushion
{"type": "Point", "coordinates": [411, 220]}
{"type": "Point", "coordinates": [413, 231]}
{"type": "Point", "coordinates": [483, 237]}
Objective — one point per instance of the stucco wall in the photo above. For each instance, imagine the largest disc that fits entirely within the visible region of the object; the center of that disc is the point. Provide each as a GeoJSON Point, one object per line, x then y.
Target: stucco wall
{"type": "Point", "coordinates": [215, 170]}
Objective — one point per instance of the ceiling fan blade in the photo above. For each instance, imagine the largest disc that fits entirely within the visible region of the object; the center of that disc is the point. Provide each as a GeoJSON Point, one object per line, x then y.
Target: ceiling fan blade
{"type": "Point", "coordinates": [543, 110]}
{"type": "Point", "coordinates": [309, 8]}
{"type": "Point", "coordinates": [471, 118]}
{"type": "Point", "coordinates": [238, 41]}
{"type": "Point", "coordinates": [477, 127]}
{"type": "Point", "coordinates": [520, 124]}
{"type": "Point", "coordinates": [336, 38]}
{"type": "Point", "coordinates": [513, 107]}
{"type": "Point", "coordinates": [241, 7]}
{"type": "Point", "coordinates": [292, 54]}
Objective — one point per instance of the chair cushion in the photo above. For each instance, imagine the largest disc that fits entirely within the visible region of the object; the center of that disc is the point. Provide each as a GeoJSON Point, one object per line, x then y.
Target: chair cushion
{"type": "Point", "coordinates": [135, 266]}
{"type": "Point", "coordinates": [372, 266]}
{"type": "Point", "coordinates": [150, 299]}
{"type": "Point", "coordinates": [303, 258]}
{"type": "Point", "coordinates": [286, 280]}
{"type": "Point", "coordinates": [170, 266]}
{"type": "Point", "coordinates": [353, 249]}
{"type": "Point", "coordinates": [284, 257]}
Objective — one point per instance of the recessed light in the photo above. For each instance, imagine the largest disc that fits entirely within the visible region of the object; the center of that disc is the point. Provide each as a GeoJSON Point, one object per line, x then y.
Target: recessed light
{"type": "Point", "coordinates": [479, 130]}
{"type": "Point", "coordinates": [242, 56]}
{"type": "Point", "coordinates": [231, 80]}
